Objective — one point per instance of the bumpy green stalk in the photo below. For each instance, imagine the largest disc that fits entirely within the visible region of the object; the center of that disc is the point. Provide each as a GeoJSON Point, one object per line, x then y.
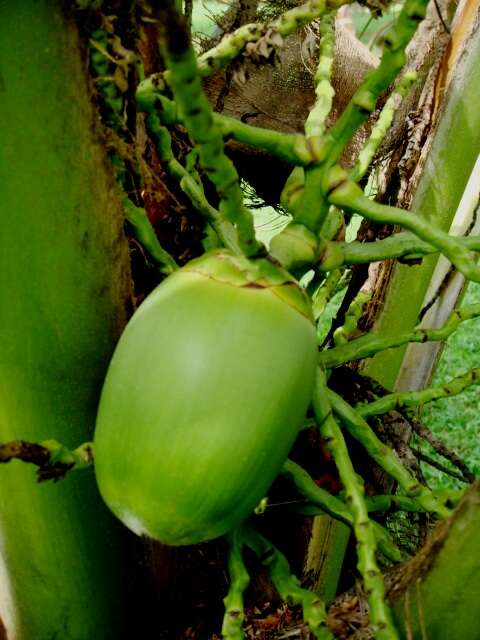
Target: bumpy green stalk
{"type": "Point", "coordinates": [380, 616]}
{"type": "Point", "coordinates": [349, 196]}
{"type": "Point", "coordinates": [198, 118]}
{"type": "Point", "coordinates": [334, 507]}
{"type": "Point", "coordinates": [316, 121]}
{"type": "Point", "coordinates": [189, 185]}
{"type": "Point", "coordinates": [146, 236]}
{"type": "Point", "coordinates": [375, 504]}
{"type": "Point", "coordinates": [309, 490]}
{"type": "Point", "coordinates": [406, 399]}
{"type": "Point", "coordinates": [113, 100]}
{"type": "Point", "coordinates": [289, 147]}
{"type": "Point", "coordinates": [380, 503]}
{"type": "Point", "coordinates": [384, 456]}
{"type": "Point", "coordinates": [233, 44]}
{"type": "Point", "coordinates": [365, 98]}
{"type": "Point", "coordinates": [353, 315]}
{"type": "Point", "coordinates": [370, 344]}
{"type": "Point", "coordinates": [288, 586]}
{"type": "Point", "coordinates": [403, 244]}
{"type": "Point", "coordinates": [381, 127]}
{"type": "Point", "coordinates": [232, 628]}
{"type": "Point", "coordinates": [313, 207]}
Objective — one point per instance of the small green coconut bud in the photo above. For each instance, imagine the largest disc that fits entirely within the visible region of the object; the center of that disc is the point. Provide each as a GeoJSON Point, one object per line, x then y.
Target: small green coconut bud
{"type": "Point", "coordinates": [295, 246]}
{"type": "Point", "coordinates": [341, 190]}
{"type": "Point", "coordinates": [331, 256]}
{"type": "Point", "coordinates": [334, 225]}
{"type": "Point", "coordinates": [293, 190]}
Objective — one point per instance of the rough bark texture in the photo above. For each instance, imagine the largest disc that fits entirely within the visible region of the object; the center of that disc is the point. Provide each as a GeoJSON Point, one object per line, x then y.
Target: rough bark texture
{"type": "Point", "coordinates": [439, 165]}
{"type": "Point", "coordinates": [436, 594]}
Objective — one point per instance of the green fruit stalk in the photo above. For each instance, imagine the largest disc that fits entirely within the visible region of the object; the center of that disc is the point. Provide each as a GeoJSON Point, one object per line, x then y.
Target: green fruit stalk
{"type": "Point", "coordinates": [204, 397]}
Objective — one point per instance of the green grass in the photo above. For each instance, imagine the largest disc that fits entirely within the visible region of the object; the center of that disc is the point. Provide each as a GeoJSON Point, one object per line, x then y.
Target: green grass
{"type": "Point", "coordinates": [457, 420]}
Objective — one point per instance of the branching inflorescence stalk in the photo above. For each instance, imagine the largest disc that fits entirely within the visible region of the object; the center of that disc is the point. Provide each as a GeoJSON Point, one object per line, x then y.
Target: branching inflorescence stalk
{"type": "Point", "coordinates": [334, 507]}
{"type": "Point", "coordinates": [365, 99]}
{"type": "Point", "coordinates": [381, 127]}
{"type": "Point", "coordinates": [406, 399]}
{"type": "Point", "coordinates": [348, 195]}
{"type": "Point", "coordinates": [232, 45]}
{"type": "Point", "coordinates": [189, 185]}
{"type": "Point", "coordinates": [384, 456]}
{"type": "Point", "coordinates": [206, 135]}
{"type": "Point", "coordinates": [371, 343]}
{"type": "Point", "coordinates": [289, 147]}
{"type": "Point", "coordinates": [401, 245]}
{"type": "Point", "coordinates": [380, 617]}
{"type": "Point", "coordinates": [312, 207]}
{"type": "Point", "coordinates": [146, 236]}
{"type": "Point", "coordinates": [287, 585]}
{"type": "Point", "coordinates": [316, 121]}
{"type": "Point", "coordinates": [232, 628]}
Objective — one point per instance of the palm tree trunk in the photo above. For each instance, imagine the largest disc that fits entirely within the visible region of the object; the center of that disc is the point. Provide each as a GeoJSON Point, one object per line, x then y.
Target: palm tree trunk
{"type": "Point", "coordinates": [64, 297]}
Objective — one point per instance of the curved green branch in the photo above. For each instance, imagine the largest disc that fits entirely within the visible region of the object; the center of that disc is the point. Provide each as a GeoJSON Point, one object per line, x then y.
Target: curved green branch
{"type": "Point", "coordinates": [364, 101]}
{"type": "Point", "coordinates": [325, 502]}
{"type": "Point", "coordinates": [349, 196]}
{"type": "Point", "coordinates": [352, 316]}
{"type": "Point", "coordinates": [384, 456]}
{"type": "Point", "coordinates": [287, 585]}
{"type": "Point", "coordinates": [380, 616]}
{"type": "Point", "coordinates": [146, 236]}
{"type": "Point", "coordinates": [232, 628]}
{"type": "Point", "coordinates": [289, 147]}
{"type": "Point", "coordinates": [206, 135]}
{"type": "Point", "coordinates": [401, 245]}
{"type": "Point", "coordinates": [371, 343]}
{"type": "Point", "coordinates": [406, 399]}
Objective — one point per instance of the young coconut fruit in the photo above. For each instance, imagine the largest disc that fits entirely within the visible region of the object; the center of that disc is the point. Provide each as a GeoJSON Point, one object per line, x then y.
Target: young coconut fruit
{"type": "Point", "coordinates": [204, 397]}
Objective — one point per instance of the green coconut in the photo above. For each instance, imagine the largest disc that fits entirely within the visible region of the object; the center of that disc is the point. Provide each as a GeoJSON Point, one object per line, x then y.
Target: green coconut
{"type": "Point", "coordinates": [204, 397]}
